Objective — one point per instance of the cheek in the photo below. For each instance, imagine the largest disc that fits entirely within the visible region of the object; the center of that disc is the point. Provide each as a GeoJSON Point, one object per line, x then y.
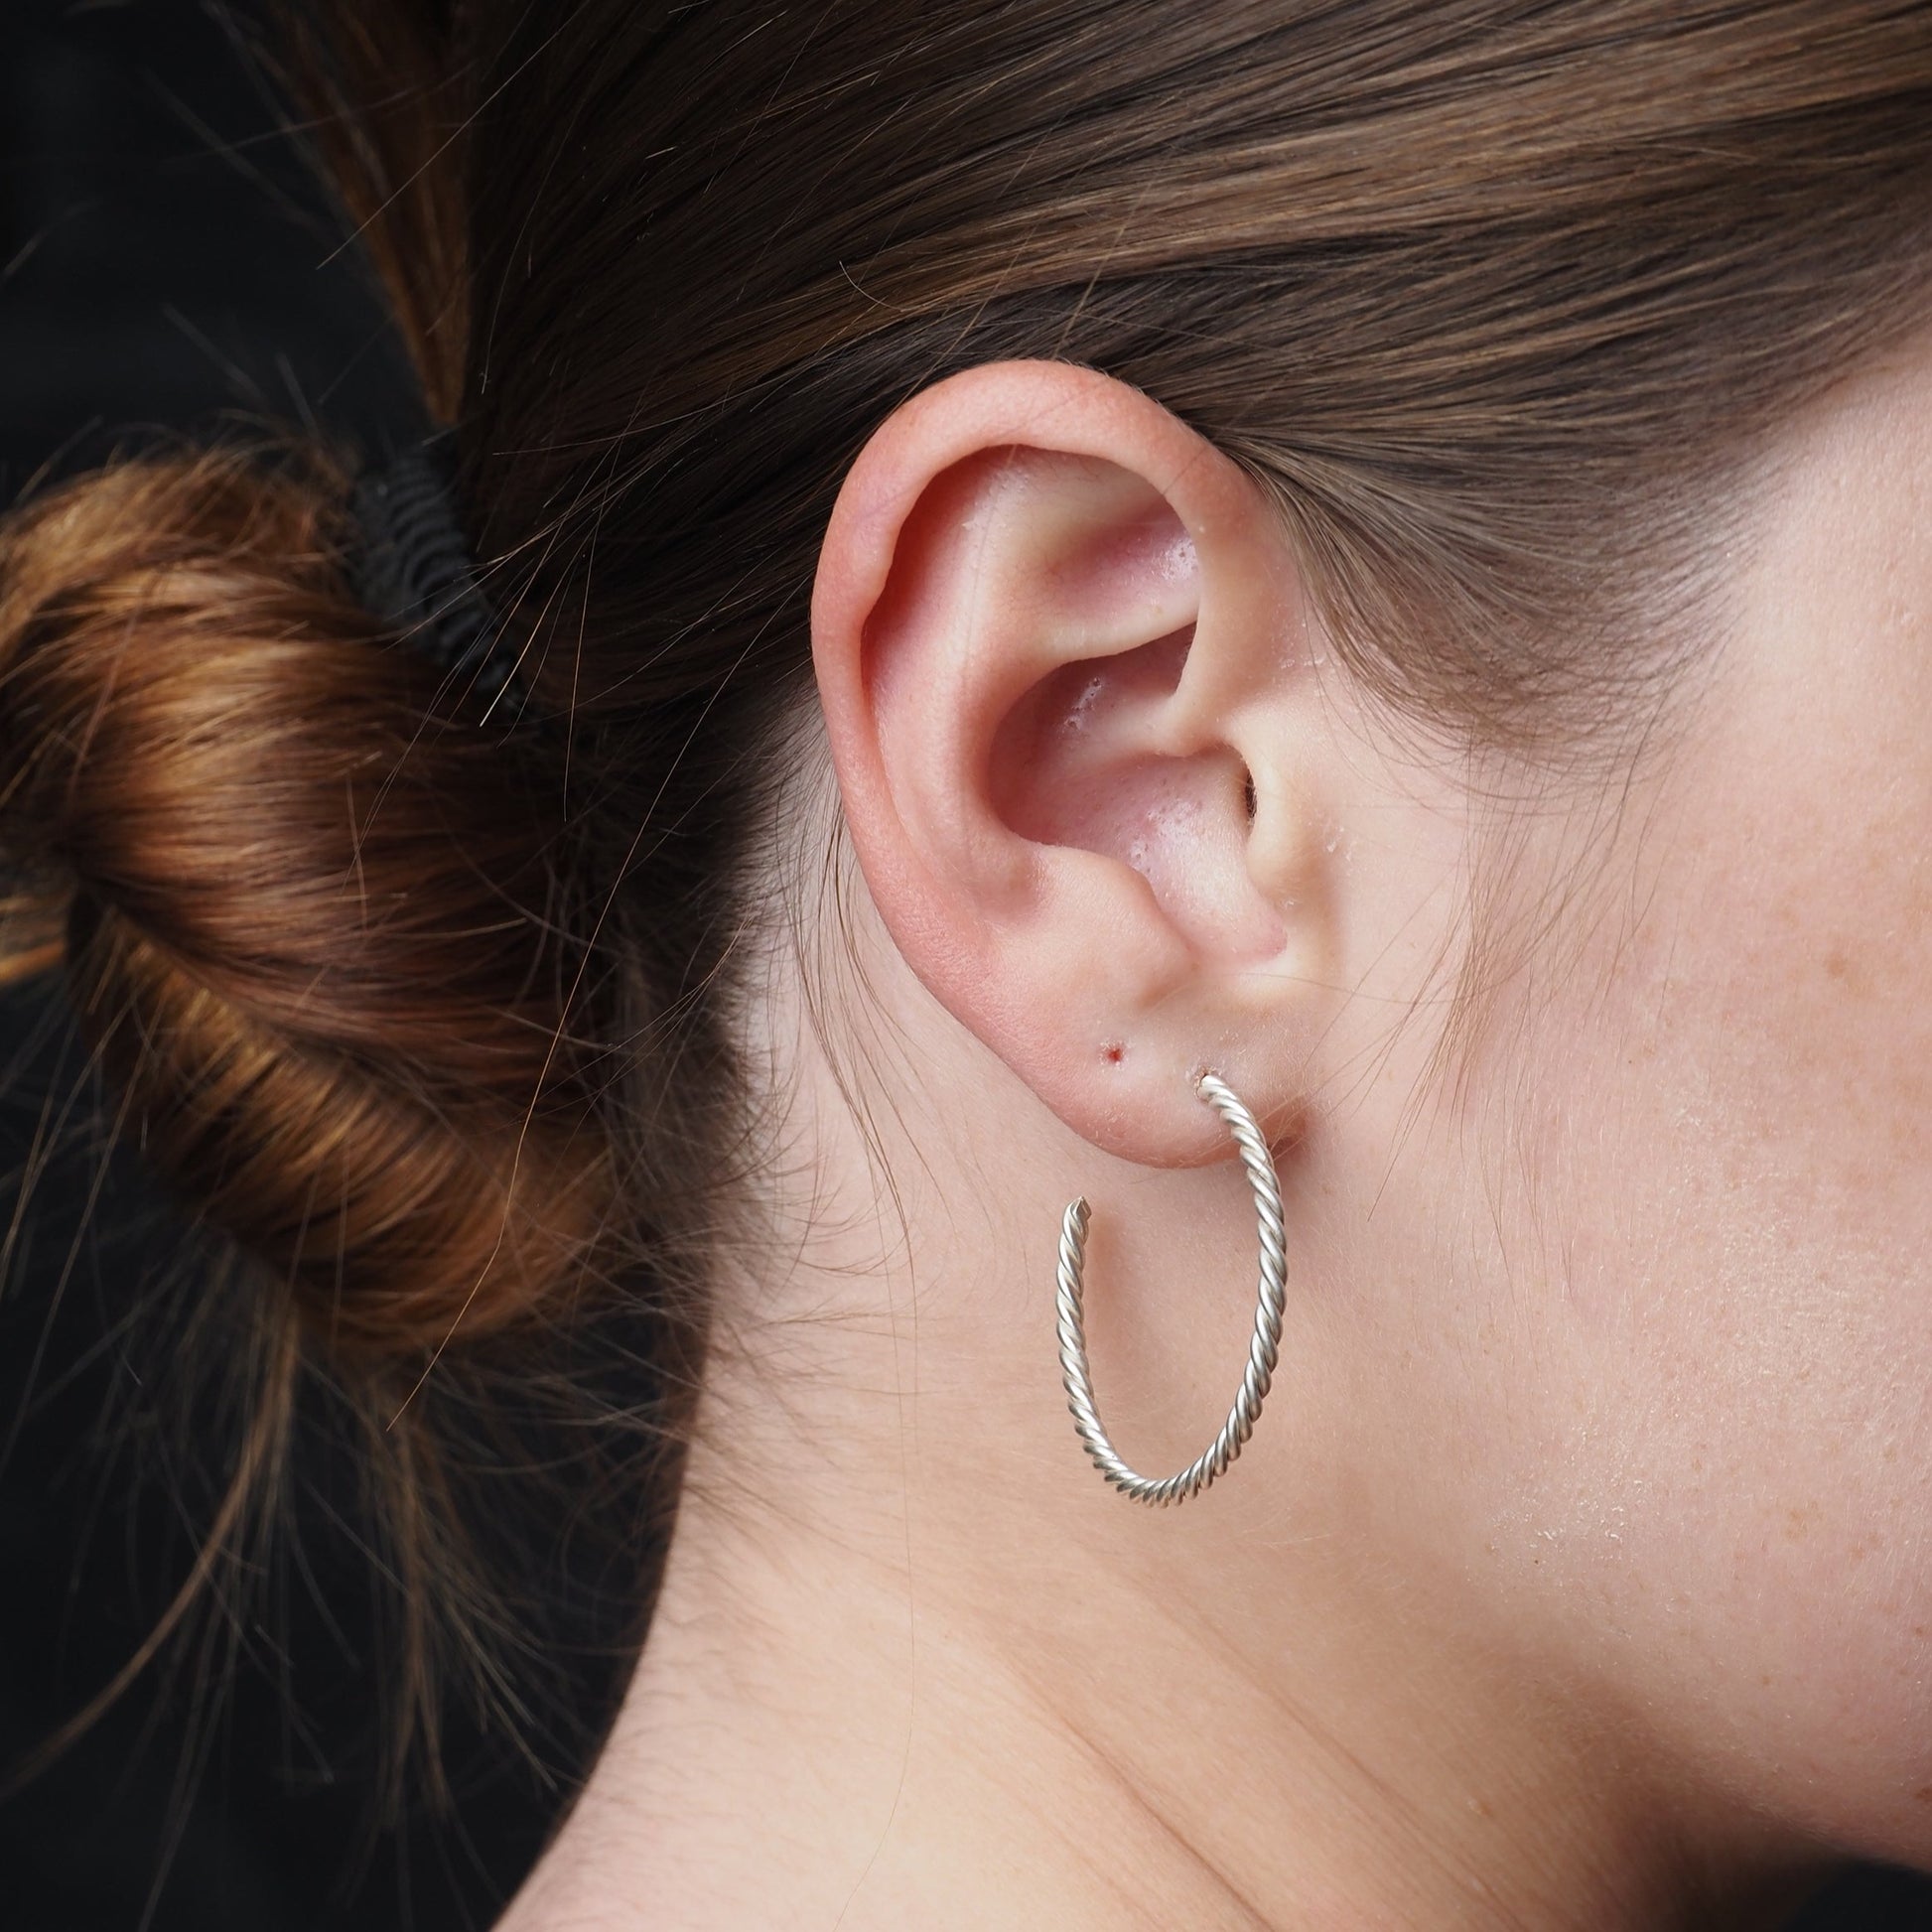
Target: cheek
{"type": "Point", "coordinates": [1675, 1422]}
{"type": "Point", "coordinates": [1725, 1490]}
{"type": "Point", "coordinates": [1741, 1488]}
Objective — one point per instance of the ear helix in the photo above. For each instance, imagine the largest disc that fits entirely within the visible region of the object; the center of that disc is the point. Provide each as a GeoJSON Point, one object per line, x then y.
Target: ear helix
{"type": "Point", "coordinates": [1263, 1352]}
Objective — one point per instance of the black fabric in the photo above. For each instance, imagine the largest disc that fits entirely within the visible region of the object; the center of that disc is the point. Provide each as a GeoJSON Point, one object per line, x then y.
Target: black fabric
{"type": "Point", "coordinates": [412, 570]}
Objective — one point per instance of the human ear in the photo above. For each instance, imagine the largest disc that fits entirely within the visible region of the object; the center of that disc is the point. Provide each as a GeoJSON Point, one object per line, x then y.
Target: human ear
{"type": "Point", "coordinates": [1066, 667]}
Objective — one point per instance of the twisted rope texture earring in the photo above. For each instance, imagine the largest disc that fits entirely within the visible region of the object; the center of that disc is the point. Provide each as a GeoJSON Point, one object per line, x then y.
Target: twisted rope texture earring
{"type": "Point", "coordinates": [1263, 1352]}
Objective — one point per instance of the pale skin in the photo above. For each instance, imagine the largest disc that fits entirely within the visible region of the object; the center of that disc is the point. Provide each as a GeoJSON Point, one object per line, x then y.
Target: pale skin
{"type": "Point", "coordinates": [1579, 1571]}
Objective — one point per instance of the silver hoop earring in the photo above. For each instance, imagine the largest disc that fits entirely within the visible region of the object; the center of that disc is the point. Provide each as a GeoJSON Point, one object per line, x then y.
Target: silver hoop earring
{"type": "Point", "coordinates": [1263, 1352]}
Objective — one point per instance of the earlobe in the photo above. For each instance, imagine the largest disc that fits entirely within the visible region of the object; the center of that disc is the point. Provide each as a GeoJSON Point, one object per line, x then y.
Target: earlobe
{"type": "Point", "coordinates": [1048, 627]}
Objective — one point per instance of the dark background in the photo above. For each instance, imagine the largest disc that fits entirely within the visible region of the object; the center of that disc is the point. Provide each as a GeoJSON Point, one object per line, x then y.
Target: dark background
{"type": "Point", "coordinates": [166, 262]}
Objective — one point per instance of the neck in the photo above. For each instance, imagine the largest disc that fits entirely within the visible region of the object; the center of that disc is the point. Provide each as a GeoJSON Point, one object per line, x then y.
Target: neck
{"type": "Point", "coordinates": [1025, 1702]}
{"type": "Point", "coordinates": [913, 1664]}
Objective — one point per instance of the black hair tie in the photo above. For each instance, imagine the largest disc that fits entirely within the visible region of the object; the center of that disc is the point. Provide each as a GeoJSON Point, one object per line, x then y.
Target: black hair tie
{"type": "Point", "coordinates": [411, 569]}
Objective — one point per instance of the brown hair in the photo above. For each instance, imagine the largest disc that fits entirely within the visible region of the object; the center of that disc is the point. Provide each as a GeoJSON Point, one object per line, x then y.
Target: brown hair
{"type": "Point", "coordinates": [1498, 299]}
